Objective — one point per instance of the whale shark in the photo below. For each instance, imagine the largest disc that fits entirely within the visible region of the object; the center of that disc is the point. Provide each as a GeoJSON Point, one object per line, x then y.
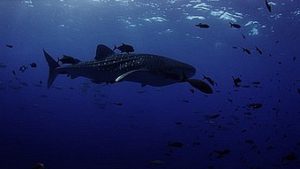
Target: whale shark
{"type": "Point", "coordinates": [110, 67]}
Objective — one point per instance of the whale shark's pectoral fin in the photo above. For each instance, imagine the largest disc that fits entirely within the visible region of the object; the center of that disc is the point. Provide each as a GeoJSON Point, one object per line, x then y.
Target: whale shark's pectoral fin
{"type": "Point", "coordinates": [123, 76]}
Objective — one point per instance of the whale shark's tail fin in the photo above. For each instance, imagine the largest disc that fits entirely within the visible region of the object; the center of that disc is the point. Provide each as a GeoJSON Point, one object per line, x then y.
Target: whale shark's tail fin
{"type": "Point", "coordinates": [52, 68]}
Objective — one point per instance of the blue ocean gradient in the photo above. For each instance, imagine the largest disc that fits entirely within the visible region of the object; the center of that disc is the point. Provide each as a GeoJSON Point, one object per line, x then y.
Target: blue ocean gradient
{"type": "Point", "coordinates": [77, 124]}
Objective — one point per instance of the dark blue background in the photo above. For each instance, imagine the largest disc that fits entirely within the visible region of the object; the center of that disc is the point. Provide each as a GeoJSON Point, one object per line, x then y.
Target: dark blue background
{"type": "Point", "coordinates": [77, 124]}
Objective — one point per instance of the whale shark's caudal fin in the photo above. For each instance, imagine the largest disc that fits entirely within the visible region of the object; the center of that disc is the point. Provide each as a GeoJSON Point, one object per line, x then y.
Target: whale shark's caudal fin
{"type": "Point", "coordinates": [52, 68]}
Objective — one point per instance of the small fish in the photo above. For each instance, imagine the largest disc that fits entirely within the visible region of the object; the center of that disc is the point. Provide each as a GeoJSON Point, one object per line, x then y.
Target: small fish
{"type": "Point", "coordinates": [175, 144]}
{"type": "Point", "coordinates": [298, 90]}
{"type": "Point", "coordinates": [124, 48]}
{"type": "Point", "coordinates": [14, 72]}
{"type": "Point", "coordinates": [43, 96]}
{"type": "Point", "coordinates": [249, 141]}
{"type": "Point", "coordinates": [157, 162]}
{"type": "Point", "coordinates": [234, 25]}
{"type": "Point", "coordinates": [212, 82]}
{"type": "Point", "coordinates": [200, 85]}
{"type": "Point", "coordinates": [244, 37]}
{"type": "Point", "coordinates": [22, 68]}
{"type": "Point", "coordinates": [202, 25]}
{"type": "Point", "coordinates": [118, 104]}
{"type": "Point", "coordinates": [39, 166]}
{"type": "Point", "coordinates": [213, 116]}
{"type": "Point", "coordinates": [244, 130]}
{"type": "Point", "coordinates": [222, 153]}
{"type": "Point", "coordinates": [9, 46]}
{"type": "Point", "coordinates": [256, 83]}
{"type": "Point", "coordinates": [178, 123]}
{"type": "Point", "coordinates": [235, 47]}
{"type": "Point", "coordinates": [268, 6]}
{"type": "Point", "coordinates": [254, 105]}
{"type": "Point", "coordinates": [185, 101]}
{"type": "Point", "coordinates": [237, 81]}
{"type": "Point", "coordinates": [290, 157]}
{"type": "Point", "coordinates": [33, 65]}
{"type": "Point", "coordinates": [258, 50]}
{"type": "Point", "coordinates": [294, 58]}
{"type": "Point", "coordinates": [68, 60]}
{"type": "Point", "coordinates": [247, 51]}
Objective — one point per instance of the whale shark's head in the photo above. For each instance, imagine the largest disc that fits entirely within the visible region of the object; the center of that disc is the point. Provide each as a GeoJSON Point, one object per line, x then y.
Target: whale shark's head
{"type": "Point", "coordinates": [157, 70]}
{"type": "Point", "coordinates": [188, 70]}
{"type": "Point", "coordinates": [178, 70]}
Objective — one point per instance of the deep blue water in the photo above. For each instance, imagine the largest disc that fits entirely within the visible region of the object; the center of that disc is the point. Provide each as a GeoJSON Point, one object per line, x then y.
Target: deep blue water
{"type": "Point", "coordinates": [77, 124]}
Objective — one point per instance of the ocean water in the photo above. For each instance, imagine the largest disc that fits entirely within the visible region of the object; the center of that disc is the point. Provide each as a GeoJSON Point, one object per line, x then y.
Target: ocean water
{"type": "Point", "coordinates": [77, 124]}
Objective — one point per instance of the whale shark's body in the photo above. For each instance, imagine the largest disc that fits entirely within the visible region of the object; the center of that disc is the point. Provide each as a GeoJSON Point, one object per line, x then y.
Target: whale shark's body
{"type": "Point", "coordinates": [109, 67]}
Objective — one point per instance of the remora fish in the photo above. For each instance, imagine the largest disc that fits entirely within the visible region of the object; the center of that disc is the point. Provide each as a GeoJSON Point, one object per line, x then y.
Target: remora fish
{"type": "Point", "coordinates": [124, 48]}
{"type": "Point", "coordinates": [147, 69]}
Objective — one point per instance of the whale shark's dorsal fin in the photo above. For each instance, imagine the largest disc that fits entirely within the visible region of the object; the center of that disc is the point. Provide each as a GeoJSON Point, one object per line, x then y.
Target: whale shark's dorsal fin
{"type": "Point", "coordinates": [103, 52]}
